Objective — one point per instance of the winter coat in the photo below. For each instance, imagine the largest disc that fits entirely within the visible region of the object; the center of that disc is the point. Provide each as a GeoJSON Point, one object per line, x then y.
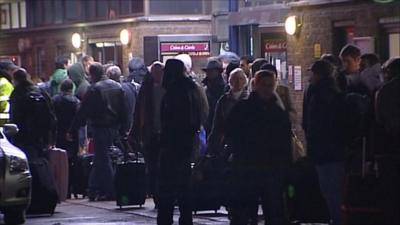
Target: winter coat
{"type": "Point", "coordinates": [131, 91]}
{"type": "Point", "coordinates": [214, 90]}
{"type": "Point", "coordinates": [180, 118]}
{"type": "Point", "coordinates": [222, 110]}
{"type": "Point", "coordinates": [371, 78]}
{"type": "Point", "coordinates": [65, 107]}
{"type": "Point", "coordinates": [56, 79]}
{"type": "Point", "coordinates": [34, 138]}
{"type": "Point", "coordinates": [143, 120]}
{"type": "Point", "coordinates": [388, 116]}
{"type": "Point", "coordinates": [324, 122]}
{"type": "Point", "coordinates": [104, 106]}
{"type": "Point", "coordinates": [77, 74]}
{"type": "Point", "coordinates": [259, 133]}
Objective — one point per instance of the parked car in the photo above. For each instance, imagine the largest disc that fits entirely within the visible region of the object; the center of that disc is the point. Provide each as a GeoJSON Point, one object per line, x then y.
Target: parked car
{"type": "Point", "coordinates": [15, 178]}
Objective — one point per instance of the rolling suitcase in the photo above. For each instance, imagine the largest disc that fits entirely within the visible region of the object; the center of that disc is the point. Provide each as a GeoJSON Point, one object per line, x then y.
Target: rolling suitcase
{"type": "Point", "coordinates": [365, 194]}
{"type": "Point", "coordinates": [130, 183]}
{"type": "Point", "coordinates": [58, 159]}
{"type": "Point", "coordinates": [44, 196]}
{"type": "Point", "coordinates": [303, 199]}
{"type": "Point", "coordinates": [80, 172]}
{"type": "Point", "coordinates": [206, 184]}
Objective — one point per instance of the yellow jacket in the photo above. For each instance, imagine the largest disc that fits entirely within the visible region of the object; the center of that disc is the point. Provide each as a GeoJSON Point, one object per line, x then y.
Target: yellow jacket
{"type": "Point", "coordinates": [6, 88]}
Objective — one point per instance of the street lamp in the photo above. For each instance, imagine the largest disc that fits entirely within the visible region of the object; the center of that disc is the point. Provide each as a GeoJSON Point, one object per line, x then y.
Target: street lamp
{"type": "Point", "coordinates": [125, 36]}
{"type": "Point", "coordinates": [76, 40]}
{"type": "Point", "coordinates": [291, 25]}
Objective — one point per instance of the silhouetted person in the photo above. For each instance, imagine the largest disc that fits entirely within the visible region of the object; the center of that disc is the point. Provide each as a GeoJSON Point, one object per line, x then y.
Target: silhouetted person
{"type": "Point", "coordinates": [104, 107]}
{"type": "Point", "coordinates": [259, 132]}
{"type": "Point", "coordinates": [147, 123]}
{"type": "Point", "coordinates": [180, 121]}
{"type": "Point", "coordinates": [324, 126]}
{"type": "Point", "coordinates": [32, 111]}
{"type": "Point", "coordinates": [215, 87]}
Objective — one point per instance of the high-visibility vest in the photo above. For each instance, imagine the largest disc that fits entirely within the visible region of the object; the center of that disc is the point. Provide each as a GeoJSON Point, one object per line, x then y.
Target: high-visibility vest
{"type": "Point", "coordinates": [6, 88]}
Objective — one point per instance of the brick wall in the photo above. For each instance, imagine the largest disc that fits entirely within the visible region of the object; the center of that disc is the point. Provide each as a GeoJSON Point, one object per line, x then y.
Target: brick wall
{"type": "Point", "coordinates": [49, 39]}
{"type": "Point", "coordinates": [317, 28]}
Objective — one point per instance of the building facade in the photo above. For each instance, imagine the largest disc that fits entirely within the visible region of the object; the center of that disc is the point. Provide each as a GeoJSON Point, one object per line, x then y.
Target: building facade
{"type": "Point", "coordinates": [34, 33]}
{"type": "Point", "coordinates": [257, 28]}
{"type": "Point", "coordinates": [326, 26]}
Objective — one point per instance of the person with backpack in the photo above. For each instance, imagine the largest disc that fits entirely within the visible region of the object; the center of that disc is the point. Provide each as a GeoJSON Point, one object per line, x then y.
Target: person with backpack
{"type": "Point", "coordinates": [36, 128]}
{"type": "Point", "coordinates": [104, 107]}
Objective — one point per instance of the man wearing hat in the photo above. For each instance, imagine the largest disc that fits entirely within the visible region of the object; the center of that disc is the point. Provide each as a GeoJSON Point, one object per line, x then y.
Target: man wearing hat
{"type": "Point", "coordinates": [7, 68]}
{"type": "Point", "coordinates": [215, 87]}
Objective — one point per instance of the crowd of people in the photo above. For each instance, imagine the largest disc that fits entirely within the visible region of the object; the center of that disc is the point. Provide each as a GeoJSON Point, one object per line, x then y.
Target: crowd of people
{"type": "Point", "coordinates": [351, 109]}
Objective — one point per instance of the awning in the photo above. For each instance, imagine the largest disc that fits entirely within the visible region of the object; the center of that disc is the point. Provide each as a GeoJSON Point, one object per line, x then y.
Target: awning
{"type": "Point", "coordinates": [270, 14]}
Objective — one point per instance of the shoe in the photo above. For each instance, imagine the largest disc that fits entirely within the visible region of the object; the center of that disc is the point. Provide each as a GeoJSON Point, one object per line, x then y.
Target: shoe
{"type": "Point", "coordinates": [105, 198]}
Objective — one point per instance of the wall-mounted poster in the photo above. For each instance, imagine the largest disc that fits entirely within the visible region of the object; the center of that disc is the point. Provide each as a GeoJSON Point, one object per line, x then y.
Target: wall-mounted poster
{"type": "Point", "coordinates": [290, 74]}
{"type": "Point", "coordinates": [297, 78]}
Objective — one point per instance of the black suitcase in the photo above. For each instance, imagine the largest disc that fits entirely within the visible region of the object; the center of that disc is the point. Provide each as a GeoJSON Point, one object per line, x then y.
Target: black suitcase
{"type": "Point", "coordinates": [44, 193]}
{"type": "Point", "coordinates": [207, 185]}
{"type": "Point", "coordinates": [130, 183]}
{"type": "Point", "coordinates": [80, 172]}
{"type": "Point", "coordinates": [303, 198]}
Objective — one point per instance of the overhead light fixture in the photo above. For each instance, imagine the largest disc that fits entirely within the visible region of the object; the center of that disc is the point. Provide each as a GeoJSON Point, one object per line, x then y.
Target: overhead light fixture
{"type": "Point", "coordinates": [291, 25]}
{"type": "Point", "coordinates": [76, 40]}
{"type": "Point", "coordinates": [125, 36]}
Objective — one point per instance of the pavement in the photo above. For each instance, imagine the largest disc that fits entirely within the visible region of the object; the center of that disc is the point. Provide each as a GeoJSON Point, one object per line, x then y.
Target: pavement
{"type": "Point", "coordinates": [83, 212]}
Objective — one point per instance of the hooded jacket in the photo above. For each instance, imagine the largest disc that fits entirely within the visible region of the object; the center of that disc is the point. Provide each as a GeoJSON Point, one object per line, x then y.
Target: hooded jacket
{"type": "Point", "coordinates": [56, 79]}
{"type": "Point", "coordinates": [77, 75]}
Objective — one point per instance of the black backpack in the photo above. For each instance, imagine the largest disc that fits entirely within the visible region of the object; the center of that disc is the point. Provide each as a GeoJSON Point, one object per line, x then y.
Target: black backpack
{"type": "Point", "coordinates": [41, 120]}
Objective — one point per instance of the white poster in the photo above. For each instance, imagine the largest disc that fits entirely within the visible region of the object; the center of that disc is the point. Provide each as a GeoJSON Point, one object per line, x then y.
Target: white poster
{"type": "Point", "coordinates": [278, 68]}
{"type": "Point", "coordinates": [283, 69]}
{"type": "Point", "coordinates": [290, 74]}
{"type": "Point", "coordinates": [297, 78]}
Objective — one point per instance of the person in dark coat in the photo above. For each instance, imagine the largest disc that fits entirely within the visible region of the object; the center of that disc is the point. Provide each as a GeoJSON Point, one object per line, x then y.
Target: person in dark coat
{"type": "Point", "coordinates": [349, 80]}
{"type": "Point", "coordinates": [180, 122]}
{"type": "Point", "coordinates": [76, 72]}
{"type": "Point", "coordinates": [147, 123]}
{"type": "Point", "coordinates": [324, 125]}
{"type": "Point", "coordinates": [388, 108]}
{"type": "Point", "coordinates": [388, 118]}
{"type": "Point", "coordinates": [215, 87]}
{"type": "Point", "coordinates": [259, 132]}
{"type": "Point", "coordinates": [36, 128]}
{"type": "Point", "coordinates": [131, 90]}
{"type": "Point", "coordinates": [237, 82]}
{"type": "Point", "coordinates": [65, 107]}
{"type": "Point", "coordinates": [106, 110]}
{"type": "Point", "coordinates": [137, 70]}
